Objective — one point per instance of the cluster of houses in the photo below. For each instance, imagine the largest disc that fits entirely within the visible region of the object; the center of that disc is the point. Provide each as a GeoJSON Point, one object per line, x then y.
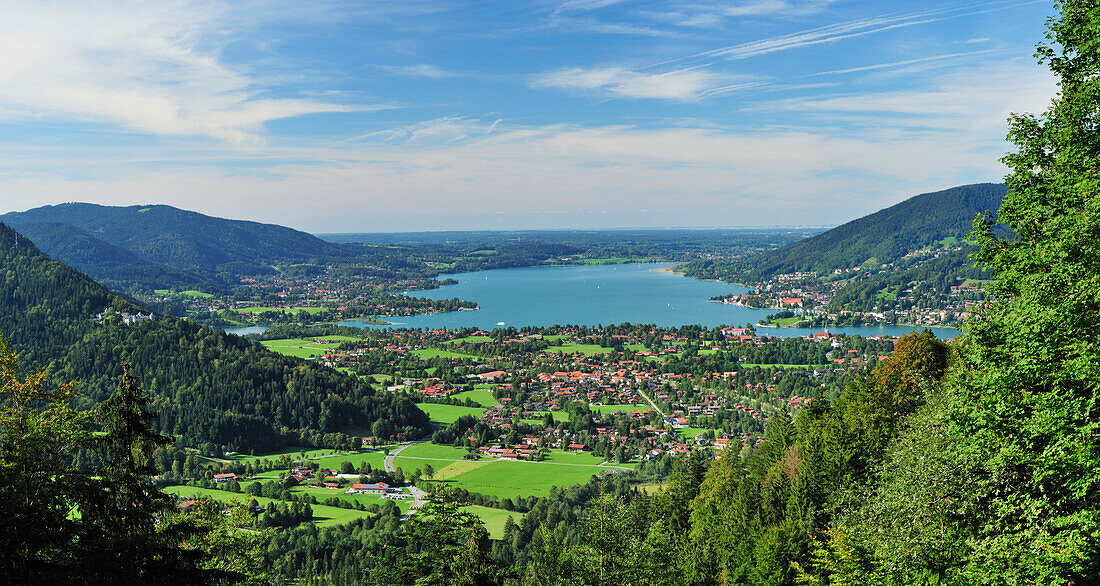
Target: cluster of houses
{"type": "Point", "coordinates": [125, 317]}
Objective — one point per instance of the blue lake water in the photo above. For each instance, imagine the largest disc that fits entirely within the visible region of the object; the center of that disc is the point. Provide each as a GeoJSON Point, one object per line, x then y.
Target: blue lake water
{"type": "Point", "coordinates": [599, 294]}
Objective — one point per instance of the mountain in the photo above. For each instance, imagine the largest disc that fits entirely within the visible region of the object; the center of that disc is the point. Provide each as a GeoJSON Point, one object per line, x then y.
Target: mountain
{"type": "Point", "coordinates": [885, 235]}
{"type": "Point", "coordinates": [178, 247]}
{"type": "Point", "coordinates": [111, 265]}
{"type": "Point", "coordinates": [210, 387]}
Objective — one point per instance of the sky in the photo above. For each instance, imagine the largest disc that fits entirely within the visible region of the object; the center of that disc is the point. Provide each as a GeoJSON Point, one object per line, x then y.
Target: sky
{"type": "Point", "coordinates": [431, 115]}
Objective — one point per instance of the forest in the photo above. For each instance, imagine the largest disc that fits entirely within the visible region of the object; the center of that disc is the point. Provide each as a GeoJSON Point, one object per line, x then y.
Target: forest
{"type": "Point", "coordinates": [211, 387]}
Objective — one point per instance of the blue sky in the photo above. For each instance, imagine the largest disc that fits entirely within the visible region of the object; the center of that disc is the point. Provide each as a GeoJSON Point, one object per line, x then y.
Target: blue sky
{"type": "Point", "coordinates": [431, 115]}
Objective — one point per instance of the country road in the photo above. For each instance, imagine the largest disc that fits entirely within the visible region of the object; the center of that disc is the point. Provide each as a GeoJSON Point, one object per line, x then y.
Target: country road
{"type": "Point", "coordinates": [418, 495]}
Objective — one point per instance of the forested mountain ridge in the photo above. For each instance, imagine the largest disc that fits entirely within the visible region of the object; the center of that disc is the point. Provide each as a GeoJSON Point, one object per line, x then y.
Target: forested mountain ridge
{"type": "Point", "coordinates": [210, 387]}
{"type": "Point", "coordinates": [183, 242]}
{"type": "Point", "coordinates": [885, 235]}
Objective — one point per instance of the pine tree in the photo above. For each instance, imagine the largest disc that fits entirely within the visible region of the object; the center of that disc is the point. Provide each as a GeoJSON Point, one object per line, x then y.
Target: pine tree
{"type": "Point", "coordinates": [135, 542]}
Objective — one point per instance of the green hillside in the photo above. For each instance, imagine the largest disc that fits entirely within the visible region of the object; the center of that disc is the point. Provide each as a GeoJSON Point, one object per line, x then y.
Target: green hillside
{"type": "Point", "coordinates": [925, 220]}
{"type": "Point", "coordinates": [110, 265]}
{"type": "Point", "coordinates": [210, 387]}
{"type": "Point", "coordinates": [176, 243]}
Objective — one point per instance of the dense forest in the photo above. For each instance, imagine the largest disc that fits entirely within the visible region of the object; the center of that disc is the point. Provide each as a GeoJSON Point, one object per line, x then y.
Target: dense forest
{"type": "Point", "coordinates": [214, 390]}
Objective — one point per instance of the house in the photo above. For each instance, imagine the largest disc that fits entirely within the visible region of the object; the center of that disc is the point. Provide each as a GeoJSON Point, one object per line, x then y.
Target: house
{"type": "Point", "coordinates": [576, 447]}
{"type": "Point", "coordinates": [376, 488]}
{"type": "Point", "coordinates": [225, 477]}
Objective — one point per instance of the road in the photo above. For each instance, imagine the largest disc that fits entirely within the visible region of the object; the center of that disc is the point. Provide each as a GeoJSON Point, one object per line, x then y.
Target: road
{"type": "Point", "coordinates": [419, 496]}
{"type": "Point", "coordinates": [650, 401]}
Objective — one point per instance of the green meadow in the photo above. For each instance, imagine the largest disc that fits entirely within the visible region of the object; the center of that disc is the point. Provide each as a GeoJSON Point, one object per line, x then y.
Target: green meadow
{"type": "Point", "coordinates": [324, 516]}
{"type": "Point", "coordinates": [469, 339]}
{"type": "Point", "coordinates": [605, 409]}
{"type": "Point", "coordinates": [585, 349]}
{"type": "Point", "coordinates": [292, 452]}
{"type": "Point", "coordinates": [509, 479]}
{"type": "Point", "coordinates": [494, 519]}
{"type": "Point", "coordinates": [426, 353]}
{"type": "Point", "coordinates": [482, 397]}
{"type": "Point", "coordinates": [447, 414]}
{"type": "Point", "coordinates": [305, 347]}
{"type": "Point", "coordinates": [375, 459]}
{"type": "Point", "coordinates": [189, 294]}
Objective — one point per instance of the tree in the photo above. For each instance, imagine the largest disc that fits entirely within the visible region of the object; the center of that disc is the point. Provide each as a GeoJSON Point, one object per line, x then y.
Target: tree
{"type": "Point", "coordinates": [453, 545]}
{"type": "Point", "coordinates": [1026, 399]}
{"type": "Point", "coordinates": [131, 545]}
{"type": "Point", "coordinates": [39, 489]}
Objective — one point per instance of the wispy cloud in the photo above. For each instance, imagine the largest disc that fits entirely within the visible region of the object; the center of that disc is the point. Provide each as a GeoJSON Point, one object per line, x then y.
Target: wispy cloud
{"type": "Point", "coordinates": [136, 66]}
{"type": "Point", "coordinates": [620, 82]}
{"type": "Point", "coordinates": [709, 14]}
{"type": "Point", "coordinates": [904, 63]}
{"type": "Point", "coordinates": [584, 5]}
{"type": "Point", "coordinates": [422, 70]}
{"type": "Point", "coordinates": [835, 32]}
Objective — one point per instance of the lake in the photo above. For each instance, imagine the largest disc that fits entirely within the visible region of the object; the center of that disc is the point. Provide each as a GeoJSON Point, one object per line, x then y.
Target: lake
{"type": "Point", "coordinates": [599, 294]}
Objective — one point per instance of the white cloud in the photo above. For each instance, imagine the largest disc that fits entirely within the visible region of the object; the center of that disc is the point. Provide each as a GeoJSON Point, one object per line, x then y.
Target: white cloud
{"type": "Point", "coordinates": [450, 173]}
{"type": "Point", "coordinates": [973, 99]}
{"type": "Point", "coordinates": [682, 85]}
{"type": "Point", "coordinates": [147, 67]}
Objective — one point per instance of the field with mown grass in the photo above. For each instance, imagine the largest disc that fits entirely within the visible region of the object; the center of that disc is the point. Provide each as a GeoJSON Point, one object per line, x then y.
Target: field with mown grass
{"type": "Point", "coordinates": [447, 414]}
{"type": "Point", "coordinates": [323, 515]}
{"type": "Point", "coordinates": [306, 347]}
{"type": "Point", "coordinates": [427, 353]}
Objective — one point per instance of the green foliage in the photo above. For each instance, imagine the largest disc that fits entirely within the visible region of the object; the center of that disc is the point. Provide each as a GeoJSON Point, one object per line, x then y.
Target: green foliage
{"type": "Point", "coordinates": [1025, 399]}
{"type": "Point", "coordinates": [102, 524]}
{"type": "Point", "coordinates": [39, 430]}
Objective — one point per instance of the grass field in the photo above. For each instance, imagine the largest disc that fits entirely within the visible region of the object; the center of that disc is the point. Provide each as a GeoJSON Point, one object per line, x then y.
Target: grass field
{"type": "Point", "coordinates": [508, 479]}
{"type": "Point", "coordinates": [447, 414]}
{"type": "Point", "coordinates": [190, 294]}
{"type": "Point", "coordinates": [585, 349]}
{"type": "Point", "coordinates": [323, 515]}
{"type": "Point", "coordinates": [430, 450]}
{"type": "Point", "coordinates": [292, 452]}
{"type": "Point", "coordinates": [691, 432]}
{"type": "Point", "coordinates": [469, 339]}
{"type": "Point", "coordinates": [785, 321]}
{"type": "Point", "coordinates": [503, 478]}
{"type": "Point", "coordinates": [367, 499]}
{"type": "Point", "coordinates": [305, 347]}
{"type": "Point", "coordinates": [375, 459]}
{"type": "Point", "coordinates": [426, 353]}
{"type": "Point", "coordinates": [604, 409]}
{"type": "Point", "coordinates": [480, 396]}
{"type": "Point", "coordinates": [494, 518]}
